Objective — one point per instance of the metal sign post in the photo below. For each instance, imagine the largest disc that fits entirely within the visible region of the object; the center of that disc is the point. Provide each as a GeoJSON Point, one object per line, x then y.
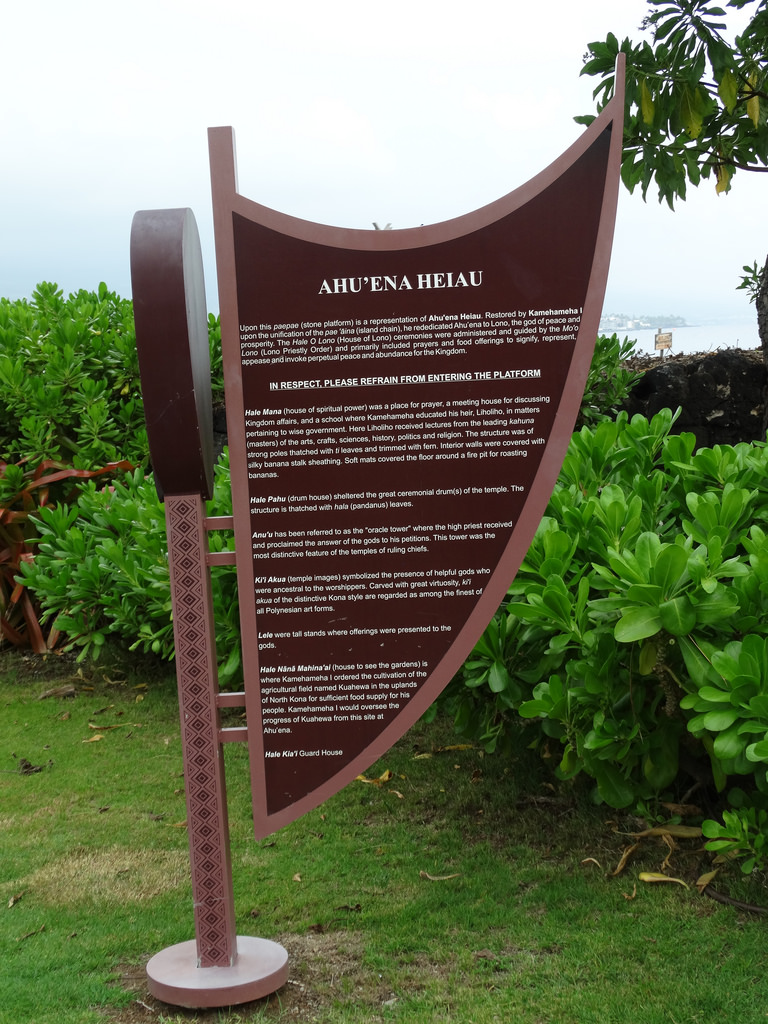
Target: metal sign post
{"type": "Point", "coordinates": [217, 968]}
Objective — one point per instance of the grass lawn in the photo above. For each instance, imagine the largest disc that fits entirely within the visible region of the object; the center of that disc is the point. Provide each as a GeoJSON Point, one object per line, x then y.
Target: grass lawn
{"type": "Point", "coordinates": [464, 888]}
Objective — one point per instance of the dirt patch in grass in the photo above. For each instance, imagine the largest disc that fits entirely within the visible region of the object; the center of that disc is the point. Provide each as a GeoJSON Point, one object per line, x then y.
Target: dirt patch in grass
{"type": "Point", "coordinates": [108, 876]}
{"type": "Point", "coordinates": [325, 969]}
{"type": "Point", "coordinates": [58, 667]}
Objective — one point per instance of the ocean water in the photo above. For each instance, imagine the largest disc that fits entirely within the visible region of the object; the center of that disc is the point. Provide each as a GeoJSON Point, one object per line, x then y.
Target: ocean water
{"type": "Point", "coordinates": [707, 338]}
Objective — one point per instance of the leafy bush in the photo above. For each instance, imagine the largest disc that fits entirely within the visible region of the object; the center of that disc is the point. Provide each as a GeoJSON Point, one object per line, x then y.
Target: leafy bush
{"type": "Point", "coordinates": [69, 379]}
{"type": "Point", "coordinates": [101, 570]}
{"type": "Point", "coordinates": [609, 381]}
{"type": "Point", "coordinates": [636, 632]}
{"type": "Point", "coordinates": [70, 409]}
{"type": "Point", "coordinates": [22, 492]}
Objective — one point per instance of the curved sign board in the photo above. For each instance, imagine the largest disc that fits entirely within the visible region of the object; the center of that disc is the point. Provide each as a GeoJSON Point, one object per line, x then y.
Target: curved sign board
{"type": "Point", "coordinates": [399, 404]}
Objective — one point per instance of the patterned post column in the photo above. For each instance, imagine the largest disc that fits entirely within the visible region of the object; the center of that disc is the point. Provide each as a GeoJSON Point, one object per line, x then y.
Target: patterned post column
{"type": "Point", "coordinates": [207, 821]}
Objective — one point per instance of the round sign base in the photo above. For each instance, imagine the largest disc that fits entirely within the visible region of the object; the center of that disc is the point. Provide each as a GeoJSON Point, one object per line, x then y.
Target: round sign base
{"type": "Point", "coordinates": [260, 969]}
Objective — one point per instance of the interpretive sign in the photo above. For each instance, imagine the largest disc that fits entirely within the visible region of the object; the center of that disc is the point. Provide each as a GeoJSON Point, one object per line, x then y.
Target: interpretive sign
{"type": "Point", "coordinates": [663, 340]}
{"type": "Point", "coordinates": [398, 407]}
{"type": "Point", "coordinates": [399, 404]}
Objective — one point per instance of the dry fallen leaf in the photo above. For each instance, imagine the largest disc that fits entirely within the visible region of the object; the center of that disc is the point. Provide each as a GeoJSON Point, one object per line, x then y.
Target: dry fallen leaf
{"type": "Point", "coordinates": [631, 895]}
{"type": "Point", "coordinates": [297, 877]}
{"type": "Point", "coordinates": [628, 851]}
{"type": "Point", "coordinates": [655, 876]}
{"type": "Point", "coordinates": [94, 739]}
{"type": "Point", "coordinates": [437, 878]}
{"type": "Point", "coordinates": [684, 810]}
{"type": "Point", "coordinates": [15, 899]}
{"type": "Point", "coordinates": [677, 831]}
{"type": "Point", "coordinates": [672, 847]}
{"type": "Point", "coordinates": [591, 860]}
{"type": "Point", "coordinates": [67, 690]}
{"type": "Point", "coordinates": [384, 777]}
{"type": "Point", "coordinates": [704, 880]}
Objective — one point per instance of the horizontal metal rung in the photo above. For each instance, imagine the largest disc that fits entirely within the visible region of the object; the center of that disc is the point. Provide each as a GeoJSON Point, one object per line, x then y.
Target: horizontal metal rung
{"type": "Point", "coordinates": [220, 523]}
{"type": "Point", "coordinates": [230, 700]}
{"type": "Point", "coordinates": [220, 558]}
{"type": "Point", "coordinates": [237, 734]}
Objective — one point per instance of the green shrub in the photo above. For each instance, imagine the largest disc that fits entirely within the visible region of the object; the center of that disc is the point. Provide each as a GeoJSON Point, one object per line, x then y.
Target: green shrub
{"type": "Point", "coordinates": [636, 632]}
{"type": "Point", "coordinates": [69, 379]}
{"type": "Point", "coordinates": [101, 570]}
{"type": "Point", "coordinates": [24, 491]}
{"type": "Point", "coordinates": [70, 409]}
{"type": "Point", "coordinates": [609, 380]}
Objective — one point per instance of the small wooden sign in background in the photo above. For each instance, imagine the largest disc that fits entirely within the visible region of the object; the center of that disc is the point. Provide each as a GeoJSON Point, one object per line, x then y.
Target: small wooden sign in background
{"type": "Point", "coordinates": [663, 340]}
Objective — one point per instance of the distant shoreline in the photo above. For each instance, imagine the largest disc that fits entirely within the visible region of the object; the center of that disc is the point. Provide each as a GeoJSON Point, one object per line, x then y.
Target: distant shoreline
{"type": "Point", "coordinates": [701, 339]}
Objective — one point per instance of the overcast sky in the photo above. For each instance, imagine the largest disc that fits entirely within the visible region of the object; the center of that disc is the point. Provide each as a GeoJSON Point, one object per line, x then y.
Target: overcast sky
{"type": "Point", "coordinates": [345, 113]}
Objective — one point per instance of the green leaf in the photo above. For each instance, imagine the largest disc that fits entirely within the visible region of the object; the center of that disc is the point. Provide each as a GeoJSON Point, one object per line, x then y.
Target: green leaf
{"type": "Point", "coordinates": [646, 103]}
{"type": "Point", "coordinates": [637, 624]}
{"type": "Point", "coordinates": [721, 719]}
{"type": "Point", "coordinates": [714, 695]}
{"type": "Point", "coordinates": [728, 744]}
{"type": "Point", "coordinates": [645, 594]}
{"type": "Point", "coordinates": [614, 789]}
{"type": "Point", "coordinates": [648, 658]}
{"type": "Point", "coordinates": [647, 552]}
{"type": "Point", "coordinates": [677, 616]}
{"type": "Point", "coordinates": [670, 568]}
{"type": "Point", "coordinates": [696, 661]}
{"type": "Point", "coordinates": [498, 677]}
{"type": "Point", "coordinates": [758, 751]}
{"type": "Point", "coordinates": [753, 103]}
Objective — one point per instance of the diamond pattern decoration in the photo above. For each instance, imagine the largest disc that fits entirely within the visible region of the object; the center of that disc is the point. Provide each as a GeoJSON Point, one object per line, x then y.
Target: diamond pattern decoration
{"type": "Point", "coordinates": [196, 671]}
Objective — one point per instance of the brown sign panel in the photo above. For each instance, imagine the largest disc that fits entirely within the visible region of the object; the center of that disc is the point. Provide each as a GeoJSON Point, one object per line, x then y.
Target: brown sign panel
{"type": "Point", "coordinates": [399, 404]}
{"type": "Point", "coordinates": [663, 340]}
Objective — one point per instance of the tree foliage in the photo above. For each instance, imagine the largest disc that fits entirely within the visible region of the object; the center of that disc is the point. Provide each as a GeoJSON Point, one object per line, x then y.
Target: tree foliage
{"type": "Point", "coordinates": [696, 103]}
